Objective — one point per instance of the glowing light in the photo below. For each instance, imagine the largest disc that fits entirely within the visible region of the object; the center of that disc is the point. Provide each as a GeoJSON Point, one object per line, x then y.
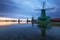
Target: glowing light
{"type": "Point", "coordinates": [5, 18]}
{"type": "Point", "coordinates": [3, 23]}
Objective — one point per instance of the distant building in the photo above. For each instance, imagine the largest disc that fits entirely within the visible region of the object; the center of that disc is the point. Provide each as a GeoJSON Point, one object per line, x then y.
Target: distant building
{"type": "Point", "coordinates": [55, 20]}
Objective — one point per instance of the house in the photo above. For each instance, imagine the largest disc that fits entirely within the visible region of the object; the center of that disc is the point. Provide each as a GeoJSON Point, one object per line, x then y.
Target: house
{"type": "Point", "coordinates": [55, 19]}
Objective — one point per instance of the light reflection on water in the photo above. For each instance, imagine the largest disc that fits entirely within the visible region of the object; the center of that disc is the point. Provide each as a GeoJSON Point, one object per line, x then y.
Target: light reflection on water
{"type": "Point", "coordinates": [10, 23]}
{"type": "Point", "coordinates": [7, 23]}
{"type": "Point", "coordinates": [23, 31]}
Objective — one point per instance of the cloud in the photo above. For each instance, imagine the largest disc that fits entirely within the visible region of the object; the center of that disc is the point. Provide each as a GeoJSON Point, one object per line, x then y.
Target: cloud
{"type": "Point", "coordinates": [20, 8]}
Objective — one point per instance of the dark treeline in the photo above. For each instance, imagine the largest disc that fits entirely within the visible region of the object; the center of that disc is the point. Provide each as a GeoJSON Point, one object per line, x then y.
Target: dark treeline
{"type": "Point", "coordinates": [8, 20]}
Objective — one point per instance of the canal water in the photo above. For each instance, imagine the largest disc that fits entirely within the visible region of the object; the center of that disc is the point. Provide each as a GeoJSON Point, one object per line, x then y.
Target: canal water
{"type": "Point", "coordinates": [24, 31]}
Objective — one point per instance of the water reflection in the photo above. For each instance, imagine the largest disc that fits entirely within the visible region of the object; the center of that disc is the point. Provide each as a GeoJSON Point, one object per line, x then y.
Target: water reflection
{"type": "Point", "coordinates": [23, 31]}
{"type": "Point", "coordinates": [7, 23]}
{"type": "Point", "coordinates": [11, 23]}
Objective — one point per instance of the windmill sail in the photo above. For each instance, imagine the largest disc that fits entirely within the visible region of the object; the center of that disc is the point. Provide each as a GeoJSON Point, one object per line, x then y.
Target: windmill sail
{"type": "Point", "coordinates": [43, 4]}
{"type": "Point", "coordinates": [49, 8]}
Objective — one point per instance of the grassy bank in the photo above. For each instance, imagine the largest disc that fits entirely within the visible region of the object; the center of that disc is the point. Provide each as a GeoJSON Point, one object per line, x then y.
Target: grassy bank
{"type": "Point", "coordinates": [55, 23]}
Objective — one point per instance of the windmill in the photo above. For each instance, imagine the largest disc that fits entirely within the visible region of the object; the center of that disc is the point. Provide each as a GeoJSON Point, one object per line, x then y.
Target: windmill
{"type": "Point", "coordinates": [18, 20]}
{"type": "Point", "coordinates": [32, 21]}
{"type": "Point", "coordinates": [43, 21]}
{"type": "Point", "coordinates": [27, 20]}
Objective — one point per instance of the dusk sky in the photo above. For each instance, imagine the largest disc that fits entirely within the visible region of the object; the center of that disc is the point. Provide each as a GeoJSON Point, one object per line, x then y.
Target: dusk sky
{"type": "Point", "coordinates": [26, 8]}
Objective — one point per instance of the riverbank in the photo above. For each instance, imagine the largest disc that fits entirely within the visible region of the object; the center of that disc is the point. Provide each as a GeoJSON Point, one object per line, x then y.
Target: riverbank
{"type": "Point", "coordinates": [55, 23]}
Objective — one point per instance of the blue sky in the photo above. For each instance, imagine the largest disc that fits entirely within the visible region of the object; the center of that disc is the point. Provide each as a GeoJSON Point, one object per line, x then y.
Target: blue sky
{"type": "Point", "coordinates": [26, 8]}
